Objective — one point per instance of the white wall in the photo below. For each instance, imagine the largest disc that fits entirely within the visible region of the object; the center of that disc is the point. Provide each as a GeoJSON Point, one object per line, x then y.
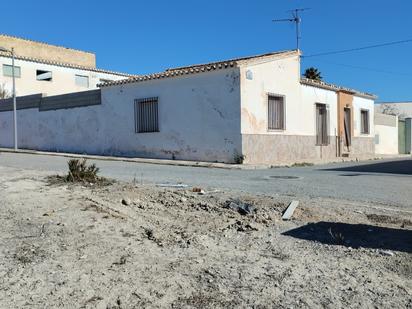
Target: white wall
{"type": "Point", "coordinates": [199, 118]}
{"type": "Point", "coordinates": [311, 96]}
{"type": "Point", "coordinates": [277, 76]}
{"type": "Point", "coordinates": [282, 76]}
{"type": "Point", "coordinates": [63, 80]}
{"type": "Point", "coordinates": [386, 141]}
{"type": "Point", "coordinates": [359, 104]}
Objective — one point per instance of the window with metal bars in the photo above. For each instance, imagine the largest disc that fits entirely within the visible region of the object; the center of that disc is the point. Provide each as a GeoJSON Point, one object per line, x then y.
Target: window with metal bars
{"type": "Point", "coordinates": [322, 125]}
{"type": "Point", "coordinates": [276, 112]}
{"type": "Point", "coordinates": [146, 115]}
{"type": "Point", "coordinates": [364, 121]}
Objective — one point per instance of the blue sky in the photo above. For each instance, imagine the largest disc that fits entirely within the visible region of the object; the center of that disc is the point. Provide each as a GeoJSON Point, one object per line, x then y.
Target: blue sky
{"type": "Point", "coordinates": [150, 36]}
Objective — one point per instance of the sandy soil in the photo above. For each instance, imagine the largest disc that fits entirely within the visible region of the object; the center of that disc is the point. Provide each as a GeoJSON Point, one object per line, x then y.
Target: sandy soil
{"type": "Point", "coordinates": [131, 245]}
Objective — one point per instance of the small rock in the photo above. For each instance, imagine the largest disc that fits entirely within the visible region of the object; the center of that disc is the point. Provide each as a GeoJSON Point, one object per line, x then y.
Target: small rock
{"type": "Point", "coordinates": [386, 252]}
{"type": "Point", "coordinates": [48, 214]}
{"type": "Point", "coordinates": [126, 201]}
{"type": "Point", "coordinates": [240, 207]}
{"type": "Point", "coordinates": [183, 200]}
{"type": "Point", "coordinates": [252, 227]}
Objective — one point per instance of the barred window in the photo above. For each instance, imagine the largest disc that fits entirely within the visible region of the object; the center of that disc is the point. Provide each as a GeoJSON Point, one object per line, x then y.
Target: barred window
{"type": "Point", "coordinates": [364, 121]}
{"type": "Point", "coordinates": [322, 125]}
{"type": "Point", "coordinates": [276, 112]}
{"type": "Point", "coordinates": [146, 115]}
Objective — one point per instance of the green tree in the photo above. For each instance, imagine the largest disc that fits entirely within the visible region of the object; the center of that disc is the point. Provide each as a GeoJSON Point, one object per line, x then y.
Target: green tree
{"type": "Point", "coordinates": [312, 73]}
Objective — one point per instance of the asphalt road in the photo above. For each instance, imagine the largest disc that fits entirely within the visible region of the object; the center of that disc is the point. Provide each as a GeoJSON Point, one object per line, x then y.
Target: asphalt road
{"type": "Point", "coordinates": [381, 182]}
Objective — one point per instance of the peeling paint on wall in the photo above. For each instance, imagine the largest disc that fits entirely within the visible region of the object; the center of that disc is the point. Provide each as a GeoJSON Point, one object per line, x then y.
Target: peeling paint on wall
{"type": "Point", "coordinates": [198, 115]}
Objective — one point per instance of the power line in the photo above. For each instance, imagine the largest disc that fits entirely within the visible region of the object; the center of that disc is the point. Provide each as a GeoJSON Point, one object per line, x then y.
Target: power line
{"type": "Point", "coordinates": [358, 48]}
{"type": "Point", "coordinates": [364, 68]}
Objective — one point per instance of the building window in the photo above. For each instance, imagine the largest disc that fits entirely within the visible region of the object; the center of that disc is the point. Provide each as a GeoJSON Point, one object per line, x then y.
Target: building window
{"type": "Point", "coordinates": [8, 70]}
{"type": "Point", "coordinates": [82, 81]}
{"type": "Point", "coordinates": [276, 112]}
{"type": "Point", "coordinates": [146, 115]}
{"type": "Point", "coordinates": [322, 125]}
{"type": "Point", "coordinates": [364, 121]}
{"type": "Point", "coordinates": [44, 75]}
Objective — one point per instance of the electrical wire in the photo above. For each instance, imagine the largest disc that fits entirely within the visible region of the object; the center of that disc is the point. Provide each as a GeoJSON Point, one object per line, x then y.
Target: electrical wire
{"type": "Point", "coordinates": [363, 68]}
{"type": "Point", "coordinates": [357, 49]}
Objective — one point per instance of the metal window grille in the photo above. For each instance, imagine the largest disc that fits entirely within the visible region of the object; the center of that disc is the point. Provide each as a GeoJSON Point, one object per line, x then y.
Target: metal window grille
{"type": "Point", "coordinates": [322, 125]}
{"type": "Point", "coordinates": [146, 115]}
{"type": "Point", "coordinates": [276, 112]}
{"type": "Point", "coordinates": [364, 121]}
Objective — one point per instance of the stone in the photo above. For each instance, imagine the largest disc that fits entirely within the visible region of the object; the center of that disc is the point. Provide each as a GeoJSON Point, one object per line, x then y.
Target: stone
{"type": "Point", "coordinates": [126, 201]}
{"type": "Point", "coordinates": [290, 210]}
{"type": "Point", "coordinates": [386, 252]}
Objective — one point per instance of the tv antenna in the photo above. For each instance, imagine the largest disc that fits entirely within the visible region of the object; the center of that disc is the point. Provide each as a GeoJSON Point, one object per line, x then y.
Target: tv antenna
{"type": "Point", "coordinates": [295, 19]}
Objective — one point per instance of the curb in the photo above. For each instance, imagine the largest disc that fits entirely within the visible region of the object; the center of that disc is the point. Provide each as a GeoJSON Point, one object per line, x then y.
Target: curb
{"type": "Point", "coordinates": [202, 163]}
{"type": "Point", "coordinates": [139, 160]}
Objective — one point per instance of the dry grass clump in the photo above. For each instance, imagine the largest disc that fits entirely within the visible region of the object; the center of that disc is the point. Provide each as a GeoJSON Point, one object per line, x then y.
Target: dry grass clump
{"type": "Point", "coordinates": [80, 172]}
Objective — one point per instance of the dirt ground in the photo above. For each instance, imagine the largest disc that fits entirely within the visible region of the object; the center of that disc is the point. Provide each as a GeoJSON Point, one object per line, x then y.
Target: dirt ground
{"type": "Point", "coordinates": [133, 245]}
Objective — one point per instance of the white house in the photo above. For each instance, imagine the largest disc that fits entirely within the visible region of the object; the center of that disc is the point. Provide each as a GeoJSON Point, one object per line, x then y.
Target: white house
{"type": "Point", "coordinates": [403, 111]}
{"type": "Point", "coordinates": [254, 110]}
{"type": "Point", "coordinates": [49, 69]}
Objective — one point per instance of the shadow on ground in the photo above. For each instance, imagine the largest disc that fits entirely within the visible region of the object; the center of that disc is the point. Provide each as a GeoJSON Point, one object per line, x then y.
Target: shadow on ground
{"type": "Point", "coordinates": [403, 167]}
{"type": "Point", "coordinates": [355, 235]}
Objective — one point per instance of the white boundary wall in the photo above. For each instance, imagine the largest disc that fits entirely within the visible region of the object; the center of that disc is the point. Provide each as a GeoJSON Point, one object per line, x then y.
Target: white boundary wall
{"type": "Point", "coordinates": [386, 134]}
{"type": "Point", "coordinates": [199, 119]}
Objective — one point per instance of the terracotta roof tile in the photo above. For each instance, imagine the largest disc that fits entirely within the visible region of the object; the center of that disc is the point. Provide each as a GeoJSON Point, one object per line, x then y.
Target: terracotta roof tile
{"type": "Point", "coordinates": [193, 69]}
{"type": "Point", "coordinates": [333, 87]}
{"type": "Point", "coordinates": [66, 65]}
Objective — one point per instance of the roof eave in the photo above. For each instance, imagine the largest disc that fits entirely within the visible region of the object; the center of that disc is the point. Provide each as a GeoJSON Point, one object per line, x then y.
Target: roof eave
{"type": "Point", "coordinates": [200, 68]}
{"type": "Point", "coordinates": [332, 87]}
{"type": "Point", "coordinates": [66, 65]}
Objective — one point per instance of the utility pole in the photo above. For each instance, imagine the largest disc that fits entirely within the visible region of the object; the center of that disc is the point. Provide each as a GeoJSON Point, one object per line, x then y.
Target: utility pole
{"type": "Point", "coordinates": [14, 101]}
{"type": "Point", "coordinates": [11, 51]}
{"type": "Point", "coordinates": [295, 19]}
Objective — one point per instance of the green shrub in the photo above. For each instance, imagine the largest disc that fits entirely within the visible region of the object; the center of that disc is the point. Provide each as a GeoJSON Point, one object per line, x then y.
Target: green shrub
{"type": "Point", "coordinates": [80, 171]}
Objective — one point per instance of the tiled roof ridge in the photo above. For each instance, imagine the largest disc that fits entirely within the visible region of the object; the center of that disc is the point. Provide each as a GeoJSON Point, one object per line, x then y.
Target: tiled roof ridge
{"type": "Point", "coordinates": [233, 60]}
{"type": "Point", "coordinates": [67, 65]}
{"type": "Point", "coordinates": [322, 84]}
{"type": "Point", "coordinates": [166, 74]}
{"type": "Point", "coordinates": [198, 68]}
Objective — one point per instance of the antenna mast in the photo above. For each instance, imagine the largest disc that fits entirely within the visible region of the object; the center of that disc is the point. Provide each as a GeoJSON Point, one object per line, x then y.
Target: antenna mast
{"type": "Point", "coordinates": [297, 20]}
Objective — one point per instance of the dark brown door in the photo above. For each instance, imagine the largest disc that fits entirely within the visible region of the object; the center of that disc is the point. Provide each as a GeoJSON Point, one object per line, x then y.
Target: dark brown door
{"type": "Point", "coordinates": [347, 126]}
